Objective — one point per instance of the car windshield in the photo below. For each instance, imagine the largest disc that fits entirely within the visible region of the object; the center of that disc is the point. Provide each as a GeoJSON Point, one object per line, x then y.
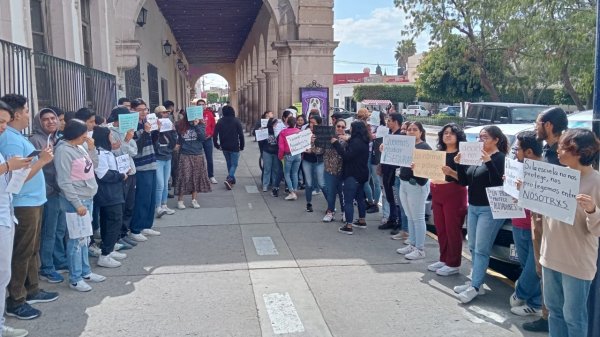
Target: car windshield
{"type": "Point", "coordinates": [526, 114]}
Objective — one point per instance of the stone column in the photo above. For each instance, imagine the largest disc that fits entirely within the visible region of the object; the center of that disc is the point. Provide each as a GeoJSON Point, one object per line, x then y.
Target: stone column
{"type": "Point", "coordinates": [262, 93]}
{"type": "Point", "coordinates": [272, 90]}
{"type": "Point", "coordinates": [247, 99]}
{"type": "Point", "coordinates": [285, 74]}
{"type": "Point", "coordinates": [254, 113]}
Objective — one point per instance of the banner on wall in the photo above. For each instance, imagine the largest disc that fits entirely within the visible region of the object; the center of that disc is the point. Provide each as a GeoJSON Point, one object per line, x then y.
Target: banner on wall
{"type": "Point", "coordinates": [315, 98]}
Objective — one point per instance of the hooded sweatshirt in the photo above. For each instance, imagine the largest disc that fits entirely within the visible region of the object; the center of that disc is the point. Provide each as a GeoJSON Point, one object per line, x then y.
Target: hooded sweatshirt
{"type": "Point", "coordinates": [41, 139]}
{"type": "Point", "coordinates": [75, 173]}
{"type": "Point", "coordinates": [229, 134]}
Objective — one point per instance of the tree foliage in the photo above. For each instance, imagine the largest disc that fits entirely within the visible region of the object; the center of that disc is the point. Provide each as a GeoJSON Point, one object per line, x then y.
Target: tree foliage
{"type": "Point", "coordinates": [212, 97]}
{"type": "Point", "coordinates": [396, 93]}
{"type": "Point", "coordinates": [404, 50]}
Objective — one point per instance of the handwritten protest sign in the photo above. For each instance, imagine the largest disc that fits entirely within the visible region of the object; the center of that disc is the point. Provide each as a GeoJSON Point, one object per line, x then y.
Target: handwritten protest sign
{"type": "Point", "coordinates": [513, 171]}
{"type": "Point", "coordinates": [428, 164]}
{"type": "Point", "coordinates": [278, 127]}
{"type": "Point", "coordinates": [123, 164]}
{"type": "Point", "coordinates": [323, 135]}
{"type": "Point", "coordinates": [261, 134]}
{"type": "Point", "coordinates": [470, 153]}
{"type": "Point", "coordinates": [299, 142]}
{"type": "Point", "coordinates": [550, 190]}
{"type": "Point", "coordinates": [382, 131]}
{"type": "Point", "coordinates": [398, 150]}
{"type": "Point", "coordinates": [195, 112]}
{"type": "Point", "coordinates": [503, 205]}
{"type": "Point", "coordinates": [165, 125]}
{"type": "Point", "coordinates": [153, 120]}
{"type": "Point", "coordinates": [264, 122]}
{"type": "Point", "coordinates": [128, 122]}
{"type": "Point", "coordinates": [79, 226]}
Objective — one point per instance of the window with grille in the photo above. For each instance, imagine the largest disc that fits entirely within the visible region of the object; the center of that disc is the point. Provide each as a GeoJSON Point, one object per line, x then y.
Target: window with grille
{"type": "Point", "coordinates": [86, 33]}
{"type": "Point", "coordinates": [153, 90]}
{"type": "Point", "coordinates": [164, 89]}
{"type": "Point", "coordinates": [39, 31]}
{"type": "Point", "coordinates": [133, 82]}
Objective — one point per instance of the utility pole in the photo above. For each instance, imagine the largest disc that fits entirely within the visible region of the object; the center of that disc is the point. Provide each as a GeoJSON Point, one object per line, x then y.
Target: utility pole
{"type": "Point", "coordinates": [596, 114]}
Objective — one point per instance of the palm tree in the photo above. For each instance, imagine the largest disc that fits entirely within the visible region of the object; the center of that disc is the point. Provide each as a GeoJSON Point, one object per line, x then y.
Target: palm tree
{"type": "Point", "coordinates": [404, 50]}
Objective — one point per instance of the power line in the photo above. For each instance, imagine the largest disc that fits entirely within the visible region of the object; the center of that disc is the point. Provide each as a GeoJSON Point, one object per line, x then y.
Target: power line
{"type": "Point", "coordinates": [365, 63]}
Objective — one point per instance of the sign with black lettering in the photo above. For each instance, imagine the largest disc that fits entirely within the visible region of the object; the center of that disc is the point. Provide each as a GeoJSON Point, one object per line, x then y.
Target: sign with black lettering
{"type": "Point", "coordinates": [550, 190]}
{"type": "Point", "coordinates": [398, 150]}
{"type": "Point", "coordinates": [503, 205]}
{"type": "Point", "coordinates": [323, 135]}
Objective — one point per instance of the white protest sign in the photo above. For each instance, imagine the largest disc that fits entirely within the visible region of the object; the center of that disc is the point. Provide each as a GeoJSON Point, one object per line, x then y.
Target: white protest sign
{"type": "Point", "coordinates": [550, 190]}
{"type": "Point", "coordinates": [470, 153]}
{"type": "Point", "coordinates": [165, 125]}
{"type": "Point", "coordinates": [374, 119]}
{"type": "Point", "coordinates": [153, 121]}
{"type": "Point", "coordinates": [503, 205]}
{"type": "Point", "coordinates": [428, 164]}
{"type": "Point", "coordinates": [278, 127]}
{"type": "Point", "coordinates": [382, 131]}
{"type": "Point", "coordinates": [79, 226]}
{"type": "Point", "coordinates": [123, 164]}
{"type": "Point", "coordinates": [17, 180]}
{"type": "Point", "coordinates": [264, 122]}
{"type": "Point", "coordinates": [513, 172]}
{"type": "Point", "coordinates": [398, 150]}
{"type": "Point", "coordinates": [299, 142]}
{"type": "Point", "coordinates": [261, 134]}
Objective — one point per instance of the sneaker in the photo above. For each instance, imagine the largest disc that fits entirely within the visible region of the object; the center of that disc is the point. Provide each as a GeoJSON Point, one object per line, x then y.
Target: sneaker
{"type": "Point", "coordinates": [309, 208]}
{"type": "Point", "coordinates": [180, 205]}
{"type": "Point", "coordinates": [467, 285]}
{"type": "Point", "coordinates": [128, 241]}
{"type": "Point", "coordinates": [107, 261]}
{"type": "Point", "coordinates": [42, 297]}
{"type": "Point", "coordinates": [515, 301]}
{"type": "Point", "coordinates": [23, 311]}
{"type": "Point", "coordinates": [390, 224]}
{"type": "Point", "coordinates": [359, 224]}
{"type": "Point", "coordinates": [117, 247]}
{"type": "Point", "coordinates": [80, 286]}
{"type": "Point", "coordinates": [150, 232]}
{"type": "Point", "coordinates": [52, 277]}
{"type": "Point", "coordinates": [291, 196]}
{"type": "Point", "coordinates": [213, 180]}
{"type": "Point", "coordinates": [406, 250]}
{"type": "Point", "coordinates": [97, 235]}
{"type": "Point", "coordinates": [94, 251]}
{"type": "Point", "coordinates": [91, 277]}
{"type": "Point", "coordinates": [468, 295]}
{"type": "Point", "coordinates": [122, 245]}
{"type": "Point", "coordinates": [435, 266]}
{"type": "Point", "coordinates": [407, 242]}
{"type": "Point", "coordinates": [417, 254]}
{"type": "Point", "coordinates": [265, 188]}
{"type": "Point", "coordinates": [525, 310]}
{"type": "Point", "coordinates": [343, 218]}
{"type": "Point", "coordinates": [401, 235]}
{"type": "Point", "coordinates": [447, 271]}
{"type": "Point", "coordinates": [373, 209]}
{"type": "Point", "coordinates": [118, 256]}
{"type": "Point", "coordinates": [346, 230]}
{"type": "Point", "coordinates": [160, 212]}
{"type": "Point", "coordinates": [275, 192]}
{"type": "Point", "coordinates": [138, 237]}
{"type": "Point", "coordinates": [315, 193]}
{"type": "Point", "coordinates": [12, 332]}
{"type": "Point", "coordinates": [540, 325]}
{"type": "Point", "coordinates": [328, 217]}
{"type": "Point", "coordinates": [168, 210]}
{"type": "Point", "coordinates": [384, 220]}
{"type": "Point", "coordinates": [227, 185]}
{"type": "Point", "coordinates": [195, 204]}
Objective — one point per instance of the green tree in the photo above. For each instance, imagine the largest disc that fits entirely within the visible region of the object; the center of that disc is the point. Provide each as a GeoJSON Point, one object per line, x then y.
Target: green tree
{"type": "Point", "coordinates": [395, 93]}
{"type": "Point", "coordinates": [404, 50]}
{"type": "Point", "coordinates": [212, 97]}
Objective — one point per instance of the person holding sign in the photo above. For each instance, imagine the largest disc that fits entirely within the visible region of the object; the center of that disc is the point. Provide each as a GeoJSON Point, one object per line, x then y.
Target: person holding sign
{"type": "Point", "coordinates": [569, 253]}
{"type": "Point", "coordinates": [209, 120]}
{"type": "Point", "coordinates": [163, 147]}
{"type": "Point", "coordinates": [271, 164]}
{"type": "Point", "coordinates": [356, 173]}
{"type": "Point", "coordinates": [291, 163]}
{"type": "Point", "coordinates": [413, 195]}
{"type": "Point", "coordinates": [333, 173]}
{"type": "Point", "coordinates": [313, 165]}
{"type": "Point", "coordinates": [449, 204]}
{"type": "Point", "coordinates": [481, 226]}
{"type": "Point", "coordinates": [389, 175]}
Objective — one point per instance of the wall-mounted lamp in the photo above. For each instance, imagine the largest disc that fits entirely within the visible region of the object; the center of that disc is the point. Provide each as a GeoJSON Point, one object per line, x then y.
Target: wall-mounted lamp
{"type": "Point", "coordinates": [167, 48]}
{"type": "Point", "coordinates": [141, 19]}
{"type": "Point", "coordinates": [180, 64]}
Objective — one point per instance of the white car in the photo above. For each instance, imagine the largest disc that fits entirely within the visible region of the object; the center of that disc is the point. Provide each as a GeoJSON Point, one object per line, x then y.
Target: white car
{"type": "Point", "coordinates": [417, 110]}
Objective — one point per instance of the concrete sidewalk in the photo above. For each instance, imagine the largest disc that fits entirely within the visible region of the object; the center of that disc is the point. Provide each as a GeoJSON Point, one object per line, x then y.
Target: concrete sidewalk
{"type": "Point", "coordinates": [247, 264]}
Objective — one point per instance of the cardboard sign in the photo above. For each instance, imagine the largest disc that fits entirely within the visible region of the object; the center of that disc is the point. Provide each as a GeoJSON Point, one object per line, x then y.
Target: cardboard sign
{"type": "Point", "coordinates": [398, 150]}
{"type": "Point", "coordinates": [264, 122]}
{"type": "Point", "coordinates": [299, 142]}
{"type": "Point", "coordinates": [503, 205]}
{"type": "Point", "coordinates": [165, 125]}
{"type": "Point", "coordinates": [79, 226]}
{"type": "Point", "coordinates": [513, 172]}
{"type": "Point", "coordinates": [550, 190]}
{"type": "Point", "coordinates": [261, 134]}
{"type": "Point", "coordinates": [428, 164]}
{"type": "Point", "coordinates": [382, 131]}
{"type": "Point", "coordinates": [470, 153]}
{"type": "Point", "coordinates": [195, 112]}
{"type": "Point", "coordinates": [153, 121]}
{"type": "Point", "coordinates": [128, 122]}
{"type": "Point", "coordinates": [323, 135]}
{"type": "Point", "coordinates": [123, 164]}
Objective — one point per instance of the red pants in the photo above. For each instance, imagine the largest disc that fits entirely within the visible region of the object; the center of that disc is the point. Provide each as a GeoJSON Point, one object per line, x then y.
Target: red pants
{"type": "Point", "coordinates": [449, 206]}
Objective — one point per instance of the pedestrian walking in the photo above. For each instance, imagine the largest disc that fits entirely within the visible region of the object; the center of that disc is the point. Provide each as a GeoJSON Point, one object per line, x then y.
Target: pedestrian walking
{"type": "Point", "coordinates": [229, 138]}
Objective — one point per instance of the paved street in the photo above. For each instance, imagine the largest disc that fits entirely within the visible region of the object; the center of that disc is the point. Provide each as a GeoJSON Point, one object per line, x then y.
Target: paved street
{"type": "Point", "coordinates": [247, 264]}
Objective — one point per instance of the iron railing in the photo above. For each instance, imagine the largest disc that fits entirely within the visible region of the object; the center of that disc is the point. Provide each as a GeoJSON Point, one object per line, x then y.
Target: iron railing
{"type": "Point", "coordinates": [15, 70]}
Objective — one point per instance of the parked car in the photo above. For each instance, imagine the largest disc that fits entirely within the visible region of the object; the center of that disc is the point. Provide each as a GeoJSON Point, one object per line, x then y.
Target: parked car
{"type": "Point", "coordinates": [343, 113]}
{"type": "Point", "coordinates": [417, 110]}
{"type": "Point", "coordinates": [502, 113]}
{"type": "Point", "coordinates": [451, 110]}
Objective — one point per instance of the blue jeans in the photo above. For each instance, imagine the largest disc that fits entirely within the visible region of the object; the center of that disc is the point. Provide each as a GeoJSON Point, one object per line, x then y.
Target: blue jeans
{"type": "Point", "coordinates": [482, 230]}
{"type": "Point", "coordinates": [314, 176]}
{"type": "Point", "coordinates": [566, 299]}
{"type": "Point", "coordinates": [413, 199]}
{"type": "Point", "coordinates": [231, 158]}
{"type": "Point", "coordinates": [290, 171]}
{"type": "Point", "coordinates": [52, 244]}
{"type": "Point", "coordinates": [77, 249]}
{"type": "Point", "coordinates": [207, 145]}
{"type": "Point", "coordinates": [163, 172]}
{"type": "Point", "coordinates": [528, 286]}
{"type": "Point", "coordinates": [403, 218]}
{"type": "Point", "coordinates": [270, 170]}
{"type": "Point", "coordinates": [145, 203]}
{"type": "Point", "coordinates": [373, 194]}
{"type": "Point", "coordinates": [333, 187]}
{"type": "Point", "coordinates": [353, 190]}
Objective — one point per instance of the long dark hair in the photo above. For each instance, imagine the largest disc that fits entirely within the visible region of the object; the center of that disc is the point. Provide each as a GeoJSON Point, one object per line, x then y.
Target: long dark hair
{"type": "Point", "coordinates": [455, 129]}
{"type": "Point", "coordinates": [74, 129]}
{"type": "Point", "coordinates": [101, 138]}
{"type": "Point", "coordinates": [421, 128]}
{"type": "Point", "coordinates": [183, 125]}
{"type": "Point", "coordinates": [359, 131]}
{"type": "Point", "coordinates": [496, 133]}
{"type": "Point", "coordinates": [270, 124]}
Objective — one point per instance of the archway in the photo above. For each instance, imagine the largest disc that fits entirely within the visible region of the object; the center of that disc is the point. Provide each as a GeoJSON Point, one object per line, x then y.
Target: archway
{"type": "Point", "coordinates": [213, 88]}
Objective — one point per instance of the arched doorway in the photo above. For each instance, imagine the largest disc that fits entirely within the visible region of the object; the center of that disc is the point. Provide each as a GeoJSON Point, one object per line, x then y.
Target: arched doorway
{"type": "Point", "coordinates": [213, 88]}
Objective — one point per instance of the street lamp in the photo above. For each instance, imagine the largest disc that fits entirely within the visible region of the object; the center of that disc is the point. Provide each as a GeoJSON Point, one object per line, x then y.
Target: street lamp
{"type": "Point", "coordinates": [167, 48]}
{"type": "Point", "coordinates": [180, 64]}
{"type": "Point", "coordinates": [141, 19]}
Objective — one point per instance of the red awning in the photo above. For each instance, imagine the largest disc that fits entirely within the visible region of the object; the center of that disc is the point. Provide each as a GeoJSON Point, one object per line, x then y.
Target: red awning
{"type": "Point", "coordinates": [376, 102]}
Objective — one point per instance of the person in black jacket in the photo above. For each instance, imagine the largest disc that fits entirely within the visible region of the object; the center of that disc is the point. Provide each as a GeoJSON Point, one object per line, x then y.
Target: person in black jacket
{"type": "Point", "coordinates": [271, 164]}
{"type": "Point", "coordinates": [229, 137]}
{"type": "Point", "coordinates": [356, 173]}
{"type": "Point", "coordinates": [164, 144]}
{"type": "Point", "coordinates": [389, 176]}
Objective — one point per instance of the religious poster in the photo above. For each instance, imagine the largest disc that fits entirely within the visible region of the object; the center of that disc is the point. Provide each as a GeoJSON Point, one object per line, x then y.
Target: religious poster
{"type": "Point", "coordinates": [315, 99]}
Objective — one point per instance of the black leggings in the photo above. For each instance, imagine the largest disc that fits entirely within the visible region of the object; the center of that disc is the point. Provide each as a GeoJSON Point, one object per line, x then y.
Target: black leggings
{"type": "Point", "coordinates": [111, 220]}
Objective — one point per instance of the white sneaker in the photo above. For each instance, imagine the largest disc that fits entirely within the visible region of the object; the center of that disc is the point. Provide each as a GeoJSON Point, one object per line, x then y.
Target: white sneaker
{"type": "Point", "coordinates": [328, 217]}
{"type": "Point", "coordinates": [150, 232]}
{"type": "Point", "coordinates": [12, 332]}
{"type": "Point", "coordinates": [447, 271]}
{"type": "Point", "coordinates": [117, 247]}
{"type": "Point", "coordinates": [118, 256]}
{"type": "Point", "coordinates": [80, 286]}
{"type": "Point", "coordinates": [180, 205]}
{"type": "Point", "coordinates": [460, 289]}
{"type": "Point", "coordinates": [525, 310]}
{"type": "Point", "coordinates": [315, 193]}
{"type": "Point", "coordinates": [406, 250]}
{"type": "Point", "coordinates": [468, 295]}
{"type": "Point", "coordinates": [515, 301]}
{"type": "Point", "coordinates": [107, 261]}
{"type": "Point", "coordinates": [94, 278]}
{"type": "Point", "coordinates": [160, 212]}
{"type": "Point", "coordinates": [417, 254]}
{"type": "Point", "coordinates": [168, 210]}
{"type": "Point", "coordinates": [265, 189]}
{"type": "Point", "coordinates": [407, 242]}
{"type": "Point", "coordinates": [291, 196]}
{"type": "Point", "coordinates": [195, 204]}
{"type": "Point", "coordinates": [213, 180]}
{"type": "Point", "coordinates": [435, 266]}
{"type": "Point", "coordinates": [94, 250]}
{"type": "Point", "coordinates": [402, 235]}
{"type": "Point", "coordinates": [138, 237]}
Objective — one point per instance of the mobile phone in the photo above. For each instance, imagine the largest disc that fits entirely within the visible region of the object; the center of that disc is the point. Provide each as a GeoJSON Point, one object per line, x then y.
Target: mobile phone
{"type": "Point", "coordinates": [35, 153]}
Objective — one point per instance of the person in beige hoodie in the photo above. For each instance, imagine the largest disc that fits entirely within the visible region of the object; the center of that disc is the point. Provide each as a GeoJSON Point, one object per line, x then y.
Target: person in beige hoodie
{"type": "Point", "coordinates": [569, 252]}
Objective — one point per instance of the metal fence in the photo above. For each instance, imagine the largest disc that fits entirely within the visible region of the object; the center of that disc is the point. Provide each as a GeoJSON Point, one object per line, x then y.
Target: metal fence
{"type": "Point", "coordinates": [15, 70]}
